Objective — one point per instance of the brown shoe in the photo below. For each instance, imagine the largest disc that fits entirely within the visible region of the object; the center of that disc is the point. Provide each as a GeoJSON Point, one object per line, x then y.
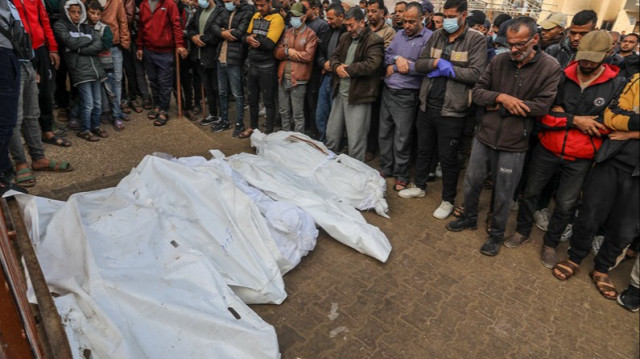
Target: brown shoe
{"type": "Point", "coordinates": [549, 256]}
{"type": "Point", "coordinates": [515, 240]}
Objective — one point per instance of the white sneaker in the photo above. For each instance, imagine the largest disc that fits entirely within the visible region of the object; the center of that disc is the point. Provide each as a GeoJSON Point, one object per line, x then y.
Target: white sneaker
{"type": "Point", "coordinates": [444, 210]}
{"type": "Point", "coordinates": [542, 219]}
{"type": "Point", "coordinates": [412, 192]}
{"type": "Point", "coordinates": [568, 232]}
{"type": "Point", "coordinates": [438, 171]}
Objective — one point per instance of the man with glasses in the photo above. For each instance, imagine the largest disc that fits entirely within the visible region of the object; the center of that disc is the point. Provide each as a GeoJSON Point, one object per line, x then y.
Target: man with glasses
{"type": "Point", "coordinates": [515, 89]}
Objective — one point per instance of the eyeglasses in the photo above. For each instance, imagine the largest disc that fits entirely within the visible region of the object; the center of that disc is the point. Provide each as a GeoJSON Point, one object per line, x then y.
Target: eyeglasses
{"type": "Point", "coordinates": [519, 45]}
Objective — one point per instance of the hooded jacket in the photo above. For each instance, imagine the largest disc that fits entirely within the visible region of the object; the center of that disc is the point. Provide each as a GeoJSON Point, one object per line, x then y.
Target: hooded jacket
{"type": "Point", "coordinates": [236, 50]}
{"type": "Point", "coordinates": [206, 55]}
{"type": "Point", "coordinates": [535, 83]}
{"type": "Point", "coordinates": [558, 134]}
{"type": "Point", "coordinates": [159, 31]}
{"type": "Point", "coordinates": [36, 22]}
{"type": "Point", "coordinates": [82, 45]}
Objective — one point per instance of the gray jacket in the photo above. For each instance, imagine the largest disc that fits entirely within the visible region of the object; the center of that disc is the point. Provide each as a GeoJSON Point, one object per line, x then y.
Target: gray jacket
{"type": "Point", "coordinates": [468, 57]}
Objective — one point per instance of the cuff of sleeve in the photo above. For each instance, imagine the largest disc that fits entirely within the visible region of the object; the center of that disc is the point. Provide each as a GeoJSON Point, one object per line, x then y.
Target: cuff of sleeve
{"type": "Point", "coordinates": [570, 121]}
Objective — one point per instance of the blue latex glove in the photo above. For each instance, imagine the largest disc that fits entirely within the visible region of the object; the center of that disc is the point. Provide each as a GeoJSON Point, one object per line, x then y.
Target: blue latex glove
{"type": "Point", "coordinates": [444, 68]}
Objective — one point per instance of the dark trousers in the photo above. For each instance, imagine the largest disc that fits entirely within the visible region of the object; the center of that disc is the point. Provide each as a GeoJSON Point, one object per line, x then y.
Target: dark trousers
{"type": "Point", "coordinates": [542, 168]}
{"type": "Point", "coordinates": [209, 78]}
{"type": "Point", "coordinates": [611, 201]}
{"type": "Point", "coordinates": [9, 96]}
{"type": "Point", "coordinates": [445, 133]}
{"type": "Point", "coordinates": [42, 64]}
{"type": "Point", "coordinates": [159, 68]}
{"type": "Point", "coordinates": [549, 190]}
{"type": "Point", "coordinates": [190, 84]}
{"type": "Point", "coordinates": [134, 72]}
{"type": "Point", "coordinates": [505, 168]}
{"type": "Point", "coordinates": [397, 119]}
{"type": "Point", "coordinates": [372, 136]}
{"type": "Point", "coordinates": [311, 102]}
{"type": "Point", "coordinates": [61, 95]}
{"type": "Point", "coordinates": [262, 79]}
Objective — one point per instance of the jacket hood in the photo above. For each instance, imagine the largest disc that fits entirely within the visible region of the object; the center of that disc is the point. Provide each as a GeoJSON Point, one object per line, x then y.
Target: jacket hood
{"type": "Point", "coordinates": [610, 71]}
{"type": "Point", "coordinates": [65, 10]}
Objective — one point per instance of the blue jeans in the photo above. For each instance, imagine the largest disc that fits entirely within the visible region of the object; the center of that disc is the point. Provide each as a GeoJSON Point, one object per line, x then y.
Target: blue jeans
{"type": "Point", "coordinates": [231, 75]}
{"type": "Point", "coordinates": [9, 96]}
{"type": "Point", "coordinates": [324, 106]}
{"type": "Point", "coordinates": [115, 82]}
{"type": "Point", "coordinates": [27, 125]}
{"type": "Point", "coordinates": [90, 94]}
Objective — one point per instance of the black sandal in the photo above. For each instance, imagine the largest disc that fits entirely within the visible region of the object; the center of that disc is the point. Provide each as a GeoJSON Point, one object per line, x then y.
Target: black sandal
{"type": "Point", "coordinates": [161, 120]}
{"type": "Point", "coordinates": [99, 132]}
{"type": "Point", "coordinates": [153, 114]}
{"type": "Point", "coordinates": [87, 135]}
{"type": "Point", "coordinates": [57, 140]}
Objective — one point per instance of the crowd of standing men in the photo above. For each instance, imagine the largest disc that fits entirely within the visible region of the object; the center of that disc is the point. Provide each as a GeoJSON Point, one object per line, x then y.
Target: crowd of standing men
{"type": "Point", "coordinates": [538, 111]}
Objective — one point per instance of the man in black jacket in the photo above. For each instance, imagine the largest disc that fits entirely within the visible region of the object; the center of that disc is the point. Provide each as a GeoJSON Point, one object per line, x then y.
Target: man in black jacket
{"type": "Point", "coordinates": [515, 89]}
{"type": "Point", "coordinates": [335, 17]}
{"type": "Point", "coordinates": [231, 26]}
{"type": "Point", "coordinates": [200, 31]}
{"type": "Point", "coordinates": [582, 23]}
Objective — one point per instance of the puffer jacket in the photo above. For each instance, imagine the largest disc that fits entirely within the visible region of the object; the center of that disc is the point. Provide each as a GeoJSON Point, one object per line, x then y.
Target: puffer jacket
{"type": "Point", "coordinates": [236, 50]}
{"type": "Point", "coordinates": [304, 43]}
{"type": "Point", "coordinates": [562, 52]}
{"type": "Point", "coordinates": [206, 55]}
{"type": "Point", "coordinates": [535, 83]}
{"type": "Point", "coordinates": [82, 45]}
{"type": "Point", "coordinates": [364, 72]}
{"type": "Point", "coordinates": [558, 134]}
{"type": "Point", "coordinates": [468, 57]}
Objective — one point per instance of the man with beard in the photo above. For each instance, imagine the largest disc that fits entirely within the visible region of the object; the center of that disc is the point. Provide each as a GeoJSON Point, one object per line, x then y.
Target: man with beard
{"type": "Point", "coordinates": [552, 29]}
{"type": "Point", "coordinates": [630, 59]}
{"type": "Point", "coordinates": [514, 90]}
{"type": "Point", "coordinates": [582, 23]}
{"type": "Point", "coordinates": [399, 10]}
{"type": "Point", "coordinates": [355, 64]}
{"type": "Point", "coordinates": [569, 138]}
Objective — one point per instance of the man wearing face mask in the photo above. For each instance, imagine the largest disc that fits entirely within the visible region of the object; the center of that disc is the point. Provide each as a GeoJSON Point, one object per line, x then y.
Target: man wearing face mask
{"type": "Point", "coordinates": [230, 26]}
{"type": "Point", "coordinates": [571, 134]}
{"type": "Point", "coordinates": [582, 23]}
{"type": "Point", "coordinates": [355, 64]}
{"type": "Point", "coordinates": [427, 12]}
{"type": "Point", "coordinates": [295, 51]}
{"type": "Point", "coordinates": [200, 31]}
{"type": "Point", "coordinates": [453, 59]}
{"type": "Point", "coordinates": [514, 90]}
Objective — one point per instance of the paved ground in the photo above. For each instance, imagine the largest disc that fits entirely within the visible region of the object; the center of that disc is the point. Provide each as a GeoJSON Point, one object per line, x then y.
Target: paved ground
{"type": "Point", "coordinates": [436, 297]}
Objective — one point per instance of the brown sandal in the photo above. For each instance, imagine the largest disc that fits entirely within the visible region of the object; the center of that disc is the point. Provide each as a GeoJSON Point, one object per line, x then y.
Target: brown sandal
{"type": "Point", "coordinates": [400, 185]}
{"type": "Point", "coordinates": [246, 133]}
{"type": "Point", "coordinates": [99, 132]}
{"type": "Point", "coordinates": [87, 135]}
{"type": "Point", "coordinates": [566, 268]}
{"type": "Point", "coordinates": [604, 285]}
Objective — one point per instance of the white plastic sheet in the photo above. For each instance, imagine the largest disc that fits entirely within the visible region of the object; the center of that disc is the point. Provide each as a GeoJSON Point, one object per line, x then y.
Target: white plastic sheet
{"type": "Point", "coordinates": [141, 291]}
{"type": "Point", "coordinates": [350, 180]}
{"type": "Point", "coordinates": [339, 219]}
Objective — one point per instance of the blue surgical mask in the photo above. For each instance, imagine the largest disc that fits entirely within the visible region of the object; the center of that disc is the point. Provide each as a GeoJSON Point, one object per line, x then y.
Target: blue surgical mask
{"type": "Point", "coordinates": [230, 6]}
{"type": "Point", "coordinates": [451, 25]}
{"type": "Point", "coordinates": [493, 37]}
{"type": "Point", "coordinates": [389, 22]}
{"type": "Point", "coordinates": [203, 3]}
{"type": "Point", "coordinates": [296, 22]}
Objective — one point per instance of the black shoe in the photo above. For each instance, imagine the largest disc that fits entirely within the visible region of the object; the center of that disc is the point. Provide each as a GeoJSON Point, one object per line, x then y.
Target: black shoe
{"type": "Point", "coordinates": [432, 177]}
{"type": "Point", "coordinates": [210, 120]}
{"type": "Point", "coordinates": [491, 247]}
{"type": "Point", "coordinates": [630, 298]}
{"type": "Point", "coordinates": [220, 126]}
{"type": "Point", "coordinates": [461, 224]}
{"type": "Point", "coordinates": [237, 130]}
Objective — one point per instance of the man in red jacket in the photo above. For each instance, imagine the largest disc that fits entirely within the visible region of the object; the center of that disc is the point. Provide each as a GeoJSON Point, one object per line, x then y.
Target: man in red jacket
{"type": "Point", "coordinates": [570, 136]}
{"type": "Point", "coordinates": [159, 34]}
{"type": "Point", "coordinates": [46, 61]}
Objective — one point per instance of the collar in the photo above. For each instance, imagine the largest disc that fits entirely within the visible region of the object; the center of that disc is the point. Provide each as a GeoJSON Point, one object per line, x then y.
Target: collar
{"type": "Point", "coordinates": [422, 33]}
{"type": "Point", "coordinates": [610, 71]}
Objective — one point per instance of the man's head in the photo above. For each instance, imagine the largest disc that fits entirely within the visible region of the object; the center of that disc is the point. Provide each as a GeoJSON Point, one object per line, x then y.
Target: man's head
{"type": "Point", "coordinates": [263, 6]}
{"type": "Point", "coordinates": [325, 5]}
{"type": "Point", "coordinates": [615, 38]}
{"type": "Point", "coordinates": [375, 12]}
{"type": "Point", "coordinates": [94, 11]}
{"type": "Point", "coordinates": [629, 43]}
{"type": "Point", "coordinates": [412, 19]}
{"type": "Point", "coordinates": [427, 11]}
{"type": "Point", "coordinates": [438, 18]}
{"type": "Point", "coordinates": [354, 22]}
{"type": "Point", "coordinates": [307, 5]}
{"type": "Point", "coordinates": [455, 15]}
{"type": "Point", "coordinates": [298, 15]}
{"type": "Point", "coordinates": [522, 36]}
{"type": "Point", "coordinates": [581, 24]}
{"type": "Point", "coordinates": [592, 50]}
{"type": "Point", "coordinates": [363, 4]}
{"type": "Point", "coordinates": [499, 20]}
{"type": "Point", "coordinates": [476, 19]}
{"type": "Point", "coordinates": [399, 10]}
{"type": "Point", "coordinates": [335, 15]}
{"type": "Point", "coordinates": [553, 27]}
{"type": "Point", "coordinates": [75, 13]}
